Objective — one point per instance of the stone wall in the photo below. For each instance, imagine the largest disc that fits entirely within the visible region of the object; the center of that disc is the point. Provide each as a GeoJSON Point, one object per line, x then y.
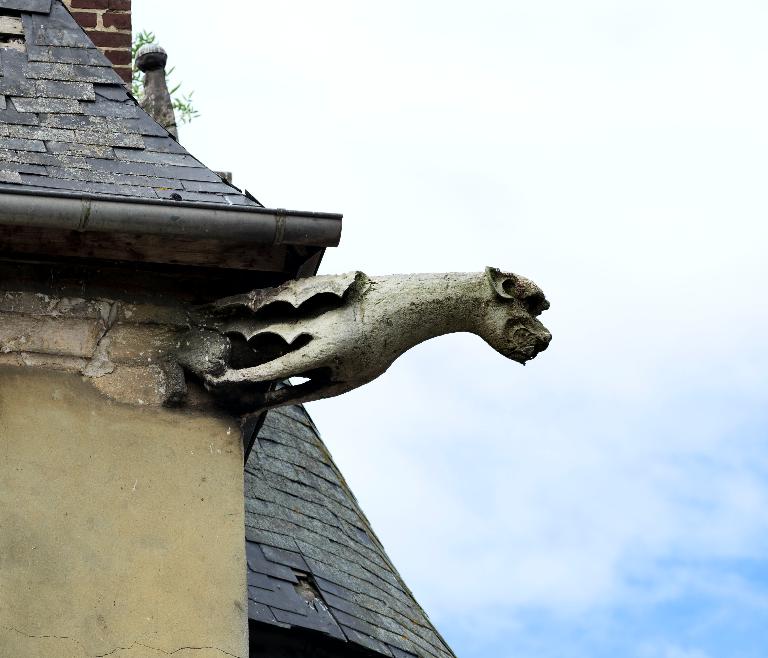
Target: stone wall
{"type": "Point", "coordinates": [121, 527]}
{"type": "Point", "coordinates": [121, 482]}
{"type": "Point", "coordinates": [108, 24]}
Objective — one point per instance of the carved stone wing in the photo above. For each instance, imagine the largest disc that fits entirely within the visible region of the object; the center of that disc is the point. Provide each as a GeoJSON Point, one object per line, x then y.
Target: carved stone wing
{"type": "Point", "coordinates": [296, 293]}
{"type": "Point", "coordinates": [290, 332]}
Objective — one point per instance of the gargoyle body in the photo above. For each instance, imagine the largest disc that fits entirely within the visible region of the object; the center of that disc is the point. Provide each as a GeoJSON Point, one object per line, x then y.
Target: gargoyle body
{"type": "Point", "coordinates": [341, 332]}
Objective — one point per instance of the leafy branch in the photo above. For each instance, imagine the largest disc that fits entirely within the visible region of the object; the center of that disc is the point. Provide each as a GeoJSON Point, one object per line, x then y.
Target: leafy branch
{"type": "Point", "coordinates": [183, 103]}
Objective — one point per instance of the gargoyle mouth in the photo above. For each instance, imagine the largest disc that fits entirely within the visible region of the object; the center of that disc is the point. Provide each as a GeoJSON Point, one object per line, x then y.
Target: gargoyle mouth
{"type": "Point", "coordinates": [527, 343]}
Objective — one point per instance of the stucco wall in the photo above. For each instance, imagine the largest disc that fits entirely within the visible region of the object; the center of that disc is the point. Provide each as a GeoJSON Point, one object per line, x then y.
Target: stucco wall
{"type": "Point", "coordinates": [121, 527]}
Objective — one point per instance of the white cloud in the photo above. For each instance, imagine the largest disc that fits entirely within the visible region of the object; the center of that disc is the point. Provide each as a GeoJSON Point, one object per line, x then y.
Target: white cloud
{"type": "Point", "coordinates": [667, 651]}
{"type": "Point", "coordinates": [489, 498]}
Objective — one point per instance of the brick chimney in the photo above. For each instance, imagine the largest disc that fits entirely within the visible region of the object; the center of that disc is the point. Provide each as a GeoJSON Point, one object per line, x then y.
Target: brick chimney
{"type": "Point", "coordinates": [108, 24]}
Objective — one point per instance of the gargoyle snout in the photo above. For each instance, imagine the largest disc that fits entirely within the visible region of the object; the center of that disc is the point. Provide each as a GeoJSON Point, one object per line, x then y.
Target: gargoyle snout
{"type": "Point", "coordinates": [529, 341]}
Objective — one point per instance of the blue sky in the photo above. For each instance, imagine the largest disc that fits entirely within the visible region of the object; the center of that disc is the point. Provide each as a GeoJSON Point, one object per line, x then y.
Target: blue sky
{"type": "Point", "coordinates": [610, 498]}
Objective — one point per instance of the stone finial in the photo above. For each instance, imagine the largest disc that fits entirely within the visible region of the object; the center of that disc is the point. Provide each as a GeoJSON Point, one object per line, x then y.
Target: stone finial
{"type": "Point", "coordinates": [151, 60]}
{"type": "Point", "coordinates": [151, 57]}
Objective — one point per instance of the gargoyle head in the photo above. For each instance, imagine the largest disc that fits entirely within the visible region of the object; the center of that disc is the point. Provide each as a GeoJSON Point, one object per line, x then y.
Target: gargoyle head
{"type": "Point", "coordinates": [510, 317]}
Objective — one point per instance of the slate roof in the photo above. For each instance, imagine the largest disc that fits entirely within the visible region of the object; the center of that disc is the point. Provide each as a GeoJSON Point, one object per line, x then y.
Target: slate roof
{"type": "Point", "coordinates": [314, 561]}
{"type": "Point", "coordinates": [68, 124]}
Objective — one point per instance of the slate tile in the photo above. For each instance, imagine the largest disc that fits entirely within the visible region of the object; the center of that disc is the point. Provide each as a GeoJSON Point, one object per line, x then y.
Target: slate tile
{"type": "Point", "coordinates": [366, 641]}
{"type": "Point", "coordinates": [56, 105]}
{"type": "Point", "coordinates": [57, 89]}
{"type": "Point", "coordinates": [17, 87]}
{"type": "Point", "coordinates": [147, 169]}
{"type": "Point", "coordinates": [350, 607]}
{"type": "Point", "coordinates": [60, 55]}
{"type": "Point", "coordinates": [72, 73]}
{"type": "Point", "coordinates": [22, 144]}
{"type": "Point", "coordinates": [177, 159]}
{"type": "Point", "coordinates": [107, 138]}
{"type": "Point", "coordinates": [334, 589]}
{"type": "Point", "coordinates": [283, 597]}
{"type": "Point", "coordinates": [10, 116]}
{"type": "Point", "coordinates": [7, 176]}
{"type": "Point", "coordinates": [260, 580]}
{"type": "Point", "coordinates": [58, 28]}
{"type": "Point", "coordinates": [403, 612]}
{"type": "Point", "coordinates": [83, 122]}
{"type": "Point", "coordinates": [262, 613]}
{"type": "Point", "coordinates": [311, 450]}
{"type": "Point", "coordinates": [399, 653]}
{"type": "Point", "coordinates": [258, 563]}
{"type": "Point", "coordinates": [37, 158]}
{"type": "Point", "coordinates": [89, 187]}
{"type": "Point", "coordinates": [308, 493]}
{"type": "Point", "coordinates": [286, 558]}
{"type": "Point", "coordinates": [163, 144]}
{"type": "Point", "coordinates": [111, 92]}
{"type": "Point", "coordinates": [90, 175]}
{"type": "Point", "coordinates": [145, 126]}
{"type": "Point", "coordinates": [353, 577]}
{"type": "Point", "coordinates": [353, 565]}
{"type": "Point", "coordinates": [89, 150]}
{"type": "Point", "coordinates": [161, 185]}
{"type": "Point", "coordinates": [387, 629]}
{"type": "Point", "coordinates": [360, 625]}
{"type": "Point", "coordinates": [318, 620]}
{"type": "Point", "coordinates": [40, 6]}
{"type": "Point", "coordinates": [103, 108]}
{"type": "Point", "coordinates": [273, 539]}
{"type": "Point", "coordinates": [40, 132]}
{"type": "Point", "coordinates": [24, 168]}
{"type": "Point", "coordinates": [297, 458]}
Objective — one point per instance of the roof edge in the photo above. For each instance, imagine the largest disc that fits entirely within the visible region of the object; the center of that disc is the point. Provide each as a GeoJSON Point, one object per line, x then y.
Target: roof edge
{"type": "Point", "coordinates": [92, 213]}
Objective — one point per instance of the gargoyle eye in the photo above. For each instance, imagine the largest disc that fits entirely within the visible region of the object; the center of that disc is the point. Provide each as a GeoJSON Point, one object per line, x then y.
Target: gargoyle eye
{"type": "Point", "coordinates": [508, 286]}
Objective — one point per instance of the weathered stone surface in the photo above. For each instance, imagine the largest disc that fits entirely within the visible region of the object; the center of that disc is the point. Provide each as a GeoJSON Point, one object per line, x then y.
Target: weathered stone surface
{"type": "Point", "coordinates": [121, 528]}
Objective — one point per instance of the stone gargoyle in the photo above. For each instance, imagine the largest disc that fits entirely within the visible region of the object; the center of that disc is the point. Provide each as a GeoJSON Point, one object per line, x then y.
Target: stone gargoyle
{"type": "Point", "coordinates": [341, 332]}
{"type": "Point", "coordinates": [337, 332]}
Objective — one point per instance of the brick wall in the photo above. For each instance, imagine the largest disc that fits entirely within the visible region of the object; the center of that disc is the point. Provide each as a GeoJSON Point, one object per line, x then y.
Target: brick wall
{"type": "Point", "coordinates": [108, 23]}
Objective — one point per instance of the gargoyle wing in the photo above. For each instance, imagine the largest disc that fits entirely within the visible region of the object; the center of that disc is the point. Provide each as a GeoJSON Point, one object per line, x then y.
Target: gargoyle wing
{"type": "Point", "coordinates": [290, 332]}
{"type": "Point", "coordinates": [296, 293]}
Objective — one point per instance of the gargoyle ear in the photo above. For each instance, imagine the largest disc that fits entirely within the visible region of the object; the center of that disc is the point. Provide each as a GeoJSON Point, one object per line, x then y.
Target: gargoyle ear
{"type": "Point", "coordinates": [502, 283]}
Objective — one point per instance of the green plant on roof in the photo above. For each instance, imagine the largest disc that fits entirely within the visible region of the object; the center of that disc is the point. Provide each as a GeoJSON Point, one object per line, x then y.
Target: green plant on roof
{"type": "Point", "coordinates": [183, 102]}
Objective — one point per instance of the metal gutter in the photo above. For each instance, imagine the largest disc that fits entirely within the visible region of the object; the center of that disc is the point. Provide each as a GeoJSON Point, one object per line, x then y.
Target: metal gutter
{"type": "Point", "coordinates": [209, 221]}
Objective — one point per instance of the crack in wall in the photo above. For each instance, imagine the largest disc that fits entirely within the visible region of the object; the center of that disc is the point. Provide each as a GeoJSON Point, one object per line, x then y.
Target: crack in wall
{"type": "Point", "coordinates": [29, 636]}
{"type": "Point", "coordinates": [134, 645]}
{"type": "Point", "coordinates": [166, 653]}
